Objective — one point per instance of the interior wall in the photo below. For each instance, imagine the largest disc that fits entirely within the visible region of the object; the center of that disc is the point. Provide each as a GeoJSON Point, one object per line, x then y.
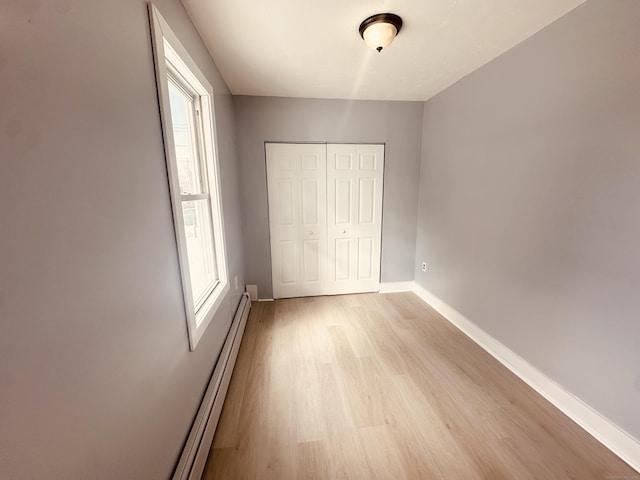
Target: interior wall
{"type": "Point", "coordinates": [96, 377]}
{"type": "Point", "coordinates": [529, 201]}
{"type": "Point", "coordinates": [273, 119]}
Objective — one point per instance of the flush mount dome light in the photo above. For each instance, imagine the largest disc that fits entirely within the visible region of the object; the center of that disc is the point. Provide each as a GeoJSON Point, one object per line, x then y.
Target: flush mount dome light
{"type": "Point", "coordinates": [378, 31]}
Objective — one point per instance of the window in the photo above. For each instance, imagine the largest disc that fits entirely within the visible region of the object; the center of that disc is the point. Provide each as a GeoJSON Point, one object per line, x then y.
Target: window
{"type": "Point", "coordinates": [186, 106]}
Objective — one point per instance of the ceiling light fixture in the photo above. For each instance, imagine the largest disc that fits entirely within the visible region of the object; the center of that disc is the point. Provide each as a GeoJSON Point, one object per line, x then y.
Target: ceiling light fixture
{"type": "Point", "coordinates": [378, 31]}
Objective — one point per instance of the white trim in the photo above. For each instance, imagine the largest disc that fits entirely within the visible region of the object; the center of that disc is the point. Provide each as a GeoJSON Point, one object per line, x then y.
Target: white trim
{"type": "Point", "coordinates": [196, 449]}
{"type": "Point", "coordinates": [265, 299]}
{"type": "Point", "coordinates": [602, 429]}
{"type": "Point", "coordinates": [167, 49]}
{"type": "Point", "coordinates": [393, 287]}
{"type": "Point", "coordinates": [252, 290]}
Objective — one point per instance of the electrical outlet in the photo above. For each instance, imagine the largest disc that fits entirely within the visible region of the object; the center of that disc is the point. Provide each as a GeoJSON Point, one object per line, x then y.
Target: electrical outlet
{"type": "Point", "coordinates": [424, 266]}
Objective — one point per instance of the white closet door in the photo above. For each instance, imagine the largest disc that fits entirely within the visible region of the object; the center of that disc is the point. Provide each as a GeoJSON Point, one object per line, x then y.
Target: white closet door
{"type": "Point", "coordinates": [296, 184]}
{"type": "Point", "coordinates": [354, 223]}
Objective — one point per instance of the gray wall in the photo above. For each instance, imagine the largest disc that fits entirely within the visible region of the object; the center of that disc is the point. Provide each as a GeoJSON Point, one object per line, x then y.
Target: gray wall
{"type": "Point", "coordinates": [530, 202]}
{"type": "Point", "coordinates": [398, 124]}
{"type": "Point", "coordinates": [96, 377]}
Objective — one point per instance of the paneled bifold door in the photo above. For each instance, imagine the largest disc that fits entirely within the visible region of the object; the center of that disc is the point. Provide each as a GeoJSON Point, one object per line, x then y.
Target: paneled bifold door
{"type": "Point", "coordinates": [354, 217]}
{"type": "Point", "coordinates": [296, 184]}
{"type": "Point", "coordinates": [325, 218]}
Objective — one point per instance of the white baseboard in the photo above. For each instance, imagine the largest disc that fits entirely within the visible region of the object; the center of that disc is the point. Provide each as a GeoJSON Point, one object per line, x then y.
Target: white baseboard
{"type": "Point", "coordinates": [196, 449]}
{"type": "Point", "coordinates": [606, 432]}
{"type": "Point", "coordinates": [393, 287]}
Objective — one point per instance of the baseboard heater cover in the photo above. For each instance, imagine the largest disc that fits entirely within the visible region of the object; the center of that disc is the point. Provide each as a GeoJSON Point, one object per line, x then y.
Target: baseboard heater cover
{"type": "Point", "coordinates": [196, 449]}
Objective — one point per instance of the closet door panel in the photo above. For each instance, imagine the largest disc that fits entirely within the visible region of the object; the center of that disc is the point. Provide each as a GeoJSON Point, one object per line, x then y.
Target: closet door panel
{"type": "Point", "coordinates": [325, 218]}
{"type": "Point", "coordinates": [296, 187]}
{"type": "Point", "coordinates": [354, 217]}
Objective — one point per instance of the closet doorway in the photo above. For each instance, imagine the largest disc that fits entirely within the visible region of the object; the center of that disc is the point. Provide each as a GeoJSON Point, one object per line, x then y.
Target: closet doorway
{"type": "Point", "coordinates": [325, 217]}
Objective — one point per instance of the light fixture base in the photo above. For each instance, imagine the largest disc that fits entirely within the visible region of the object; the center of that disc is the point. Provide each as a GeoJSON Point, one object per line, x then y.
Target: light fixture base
{"type": "Point", "coordinates": [393, 25]}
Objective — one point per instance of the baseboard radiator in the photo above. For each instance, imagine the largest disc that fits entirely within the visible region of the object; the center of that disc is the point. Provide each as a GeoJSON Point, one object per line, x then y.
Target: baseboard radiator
{"type": "Point", "coordinates": [196, 449]}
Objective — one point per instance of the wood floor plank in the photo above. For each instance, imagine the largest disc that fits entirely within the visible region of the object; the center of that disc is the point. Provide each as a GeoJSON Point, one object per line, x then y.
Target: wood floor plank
{"type": "Point", "coordinates": [313, 460]}
{"type": "Point", "coordinates": [347, 456]}
{"type": "Point", "coordinates": [435, 435]}
{"type": "Point", "coordinates": [376, 386]}
{"type": "Point", "coordinates": [385, 462]}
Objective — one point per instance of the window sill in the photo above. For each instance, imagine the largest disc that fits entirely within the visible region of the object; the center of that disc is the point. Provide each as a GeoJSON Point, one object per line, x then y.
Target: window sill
{"type": "Point", "coordinates": [208, 310]}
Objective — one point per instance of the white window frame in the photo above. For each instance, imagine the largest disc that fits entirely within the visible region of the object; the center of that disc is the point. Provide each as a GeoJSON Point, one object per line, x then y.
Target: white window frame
{"type": "Point", "coordinates": [171, 58]}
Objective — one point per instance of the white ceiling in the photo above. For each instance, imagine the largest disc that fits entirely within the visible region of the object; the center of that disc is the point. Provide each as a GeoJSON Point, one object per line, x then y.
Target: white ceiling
{"type": "Point", "coordinates": [311, 48]}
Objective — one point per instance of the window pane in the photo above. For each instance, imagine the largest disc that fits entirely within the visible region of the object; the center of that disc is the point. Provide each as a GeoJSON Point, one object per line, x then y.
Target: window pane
{"type": "Point", "coordinates": [182, 118]}
{"type": "Point", "coordinates": [202, 269]}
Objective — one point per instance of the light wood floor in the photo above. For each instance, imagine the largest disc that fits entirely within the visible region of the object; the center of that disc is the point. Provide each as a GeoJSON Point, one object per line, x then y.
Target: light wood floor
{"type": "Point", "coordinates": [380, 386]}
